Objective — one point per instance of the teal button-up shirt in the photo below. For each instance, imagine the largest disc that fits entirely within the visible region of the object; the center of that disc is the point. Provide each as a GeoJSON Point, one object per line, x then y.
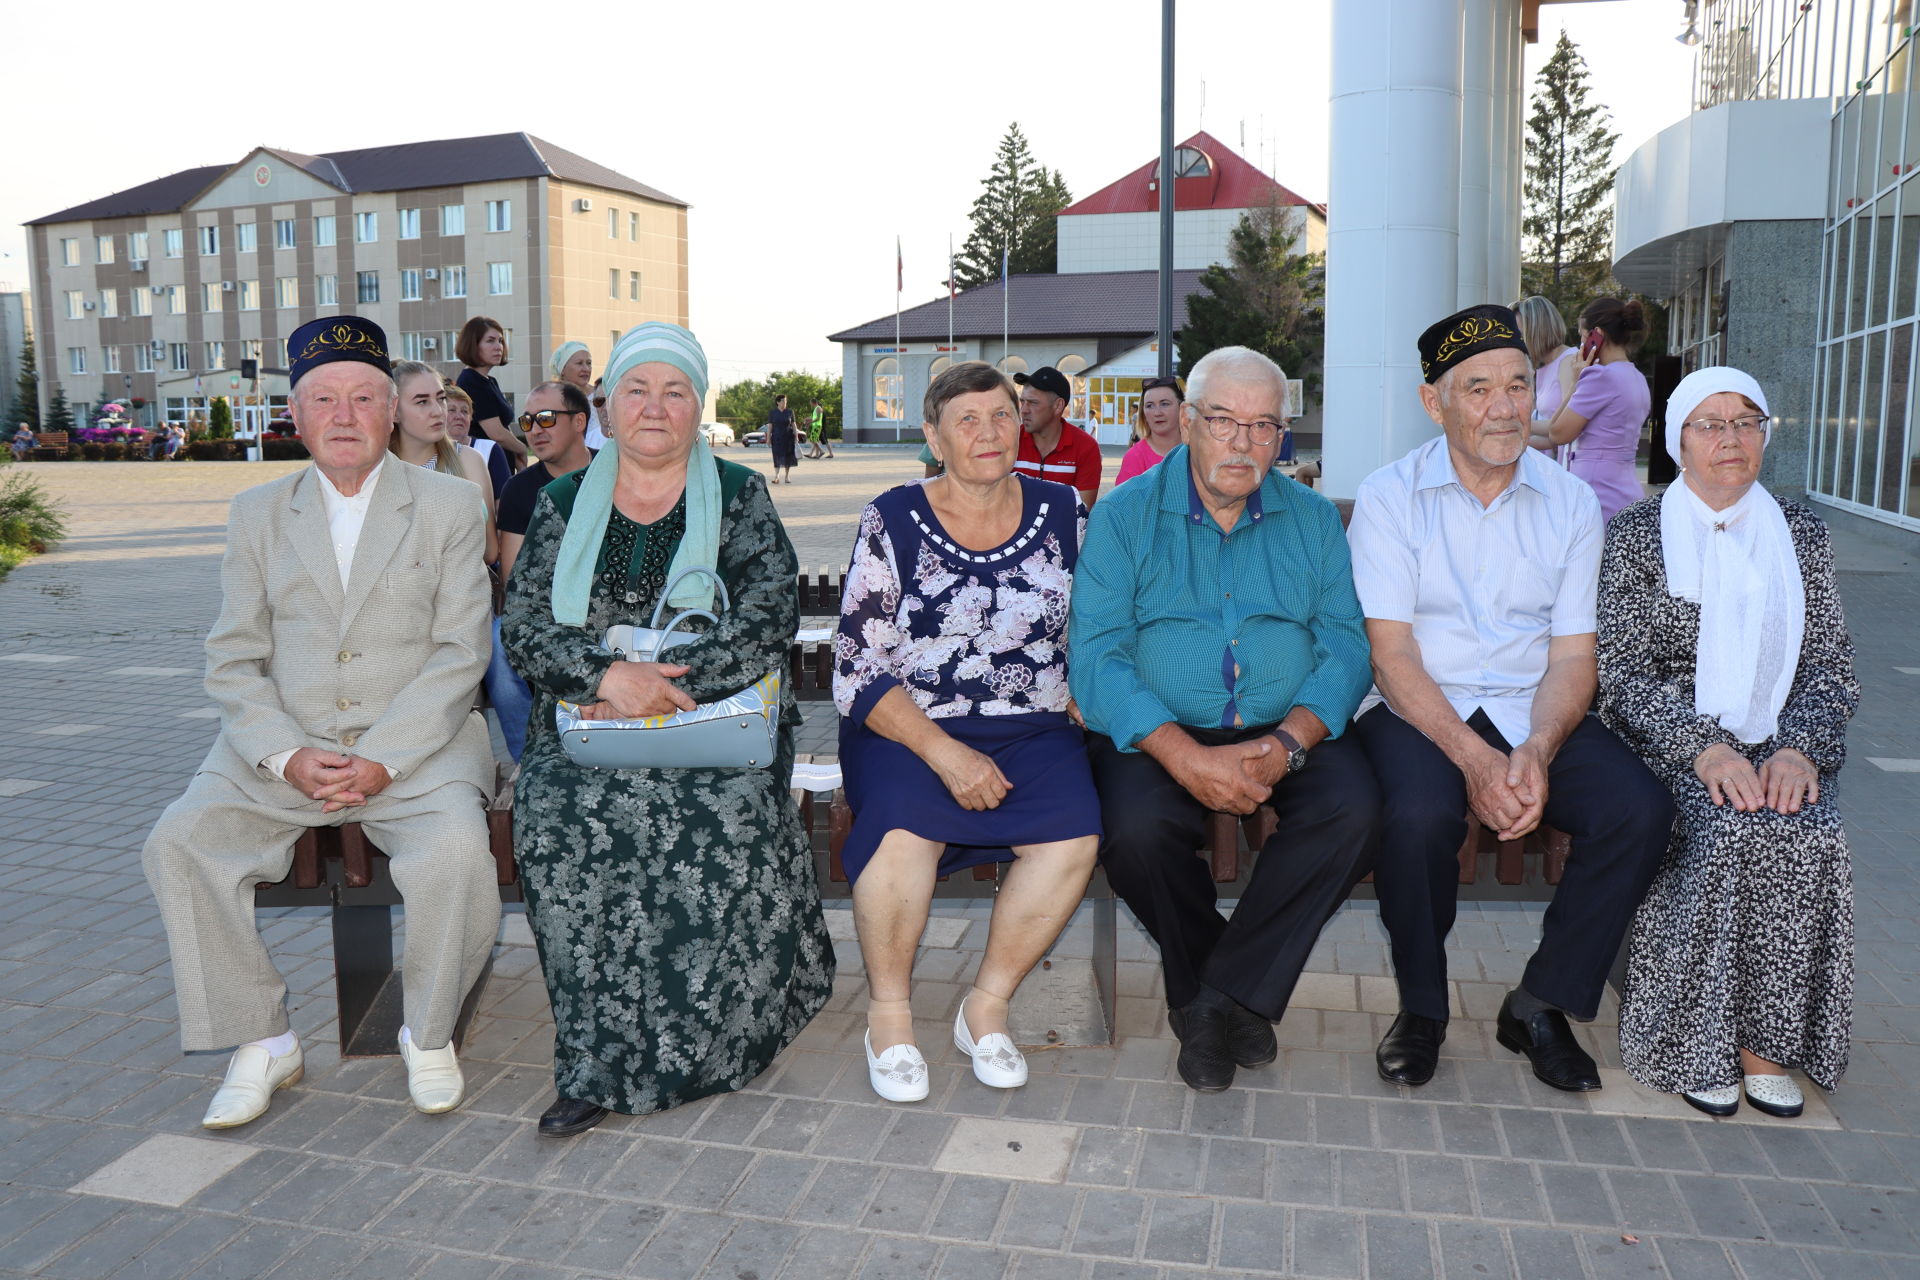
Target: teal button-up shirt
{"type": "Point", "coordinates": [1176, 621]}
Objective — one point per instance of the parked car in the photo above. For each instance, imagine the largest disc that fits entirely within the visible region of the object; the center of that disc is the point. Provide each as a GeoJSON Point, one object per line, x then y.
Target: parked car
{"type": "Point", "coordinates": [718, 433]}
{"type": "Point", "coordinates": [755, 438]}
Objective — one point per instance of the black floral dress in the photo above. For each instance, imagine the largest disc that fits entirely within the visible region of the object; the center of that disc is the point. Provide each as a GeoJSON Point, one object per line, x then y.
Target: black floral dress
{"type": "Point", "coordinates": [676, 911]}
{"type": "Point", "coordinates": [1745, 939]}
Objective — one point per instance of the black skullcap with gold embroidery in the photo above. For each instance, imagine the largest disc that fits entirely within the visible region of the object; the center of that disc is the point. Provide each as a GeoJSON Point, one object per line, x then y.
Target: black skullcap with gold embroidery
{"type": "Point", "coordinates": [1468, 333]}
{"type": "Point", "coordinates": [324, 341]}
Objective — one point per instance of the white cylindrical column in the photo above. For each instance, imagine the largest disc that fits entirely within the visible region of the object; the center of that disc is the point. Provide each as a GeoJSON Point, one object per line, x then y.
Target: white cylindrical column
{"type": "Point", "coordinates": [1509, 152]}
{"type": "Point", "coordinates": [1478, 138]}
{"type": "Point", "coordinates": [1393, 234]}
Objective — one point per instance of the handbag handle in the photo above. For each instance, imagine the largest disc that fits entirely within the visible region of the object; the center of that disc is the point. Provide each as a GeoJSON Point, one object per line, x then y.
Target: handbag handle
{"type": "Point", "coordinates": [682, 576]}
{"type": "Point", "coordinates": [661, 637]}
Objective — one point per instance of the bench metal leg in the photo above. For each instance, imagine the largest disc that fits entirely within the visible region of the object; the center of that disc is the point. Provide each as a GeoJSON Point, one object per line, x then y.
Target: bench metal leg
{"type": "Point", "coordinates": [1105, 952]}
{"type": "Point", "coordinates": [365, 984]}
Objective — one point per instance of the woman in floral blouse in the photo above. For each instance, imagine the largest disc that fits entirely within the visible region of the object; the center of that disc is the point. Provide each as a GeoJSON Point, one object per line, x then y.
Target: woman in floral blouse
{"type": "Point", "coordinates": [956, 740]}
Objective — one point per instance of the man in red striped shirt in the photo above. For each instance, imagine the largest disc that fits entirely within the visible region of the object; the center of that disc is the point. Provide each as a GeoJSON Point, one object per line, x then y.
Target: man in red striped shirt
{"type": "Point", "coordinates": [1051, 448]}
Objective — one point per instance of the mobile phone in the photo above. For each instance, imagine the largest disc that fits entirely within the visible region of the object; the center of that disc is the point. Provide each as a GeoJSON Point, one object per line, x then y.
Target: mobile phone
{"type": "Point", "coordinates": [1590, 347]}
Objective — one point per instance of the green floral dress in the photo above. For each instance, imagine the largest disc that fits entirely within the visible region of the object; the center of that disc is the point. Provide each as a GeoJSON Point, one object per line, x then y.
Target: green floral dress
{"type": "Point", "coordinates": [676, 911]}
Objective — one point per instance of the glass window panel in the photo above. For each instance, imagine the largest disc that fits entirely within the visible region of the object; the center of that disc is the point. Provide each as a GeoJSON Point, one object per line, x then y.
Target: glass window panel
{"type": "Point", "coordinates": [1880, 274]}
{"type": "Point", "coordinates": [1858, 274]}
{"type": "Point", "coordinates": [1873, 386]}
{"type": "Point", "coordinates": [1901, 305]}
{"type": "Point", "coordinates": [1846, 145]}
{"type": "Point", "coordinates": [1893, 462]}
{"type": "Point", "coordinates": [1838, 270]}
{"type": "Point", "coordinates": [1848, 423]}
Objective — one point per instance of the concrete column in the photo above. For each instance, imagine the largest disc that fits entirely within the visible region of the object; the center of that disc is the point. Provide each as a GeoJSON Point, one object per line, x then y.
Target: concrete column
{"type": "Point", "coordinates": [1393, 236]}
{"type": "Point", "coordinates": [1479, 135]}
{"type": "Point", "coordinates": [1509, 152]}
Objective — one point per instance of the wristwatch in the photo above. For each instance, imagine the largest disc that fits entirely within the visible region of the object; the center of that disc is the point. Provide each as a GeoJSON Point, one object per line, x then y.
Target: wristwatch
{"type": "Point", "coordinates": [1296, 754]}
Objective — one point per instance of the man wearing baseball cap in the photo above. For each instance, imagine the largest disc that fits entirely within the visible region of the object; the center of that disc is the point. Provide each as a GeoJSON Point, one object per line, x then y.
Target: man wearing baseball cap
{"type": "Point", "coordinates": [1051, 448]}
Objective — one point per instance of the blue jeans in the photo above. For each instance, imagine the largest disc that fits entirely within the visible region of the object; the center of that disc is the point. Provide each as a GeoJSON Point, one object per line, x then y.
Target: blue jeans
{"type": "Point", "coordinates": [512, 699]}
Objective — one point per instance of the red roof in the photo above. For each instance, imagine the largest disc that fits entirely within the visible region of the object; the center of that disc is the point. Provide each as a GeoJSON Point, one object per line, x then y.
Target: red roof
{"type": "Point", "coordinates": [1231, 183]}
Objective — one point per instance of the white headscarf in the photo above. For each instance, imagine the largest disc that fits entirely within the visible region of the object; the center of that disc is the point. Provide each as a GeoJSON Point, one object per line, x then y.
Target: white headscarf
{"type": "Point", "coordinates": [1740, 567]}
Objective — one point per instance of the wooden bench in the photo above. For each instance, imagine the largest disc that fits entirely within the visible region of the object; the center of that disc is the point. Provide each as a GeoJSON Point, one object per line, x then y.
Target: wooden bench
{"type": "Point", "coordinates": [50, 445]}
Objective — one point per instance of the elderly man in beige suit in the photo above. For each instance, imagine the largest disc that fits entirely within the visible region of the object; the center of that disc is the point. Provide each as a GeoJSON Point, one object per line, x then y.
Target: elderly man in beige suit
{"type": "Point", "coordinates": [353, 631]}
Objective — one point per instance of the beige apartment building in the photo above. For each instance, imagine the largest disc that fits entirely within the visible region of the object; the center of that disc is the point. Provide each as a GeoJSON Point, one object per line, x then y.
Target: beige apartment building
{"type": "Point", "coordinates": [164, 291]}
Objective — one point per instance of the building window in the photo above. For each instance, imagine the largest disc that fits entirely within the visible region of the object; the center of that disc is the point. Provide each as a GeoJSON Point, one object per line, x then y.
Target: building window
{"type": "Point", "coordinates": [1071, 365]}
{"type": "Point", "coordinates": [326, 291]}
{"type": "Point", "coordinates": [366, 228]}
{"type": "Point", "coordinates": [216, 355]}
{"type": "Point", "coordinates": [323, 234]}
{"type": "Point", "coordinates": [103, 249]}
{"type": "Point", "coordinates": [284, 234]}
{"type": "Point", "coordinates": [453, 282]}
{"type": "Point", "coordinates": [613, 223]}
{"type": "Point", "coordinates": [110, 358]}
{"type": "Point", "coordinates": [286, 291]}
{"type": "Point", "coordinates": [888, 391]}
{"type": "Point", "coordinates": [137, 245]}
{"type": "Point", "coordinates": [246, 237]}
{"type": "Point", "coordinates": [141, 301]}
{"type": "Point", "coordinates": [209, 241]}
{"type": "Point", "coordinates": [280, 354]}
{"type": "Point", "coordinates": [411, 347]}
{"type": "Point", "coordinates": [172, 241]}
{"type": "Point", "coordinates": [250, 350]}
{"type": "Point", "coordinates": [409, 284]}
{"type": "Point", "coordinates": [367, 286]}
{"type": "Point", "coordinates": [176, 300]}
{"type": "Point", "coordinates": [76, 359]}
{"type": "Point", "coordinates": [499, 215]}
{"type": "Point", "coordinates": [76, 304]}
{"type": "Point", "coordinates": [409, 225]}
{"type": "Point", "coordinates": [249, 291]}
{"type": "Point", "coordinates": [142, 358]}
{"type": "Point", "coordinates": [633, 226]}
{"type": "Point", "coordinates": [500, 278]}
{"type": "Point", "coordinates": [109, 302]}
{"type": "Point", "coordinates": [1011, 365]}
{"type": "Point", "coordinates": [178, 353]}
{"type": "Point", "coordinates": [453, 219]}
{"type": "Point", "coordinates": [210, 295]}
{"type": "Point", "coordinates": [70, 252]}
{"type": "Point", "coordinates": [613, 282]}
{"type": "Point", "coordinates": [633, 285]}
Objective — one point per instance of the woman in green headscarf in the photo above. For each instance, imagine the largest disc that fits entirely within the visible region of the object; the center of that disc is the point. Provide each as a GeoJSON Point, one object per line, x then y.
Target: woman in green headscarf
{"type": "Point", "coordinates": [572, 362]}
{"type": "Point", "coordinates": [675, 910]}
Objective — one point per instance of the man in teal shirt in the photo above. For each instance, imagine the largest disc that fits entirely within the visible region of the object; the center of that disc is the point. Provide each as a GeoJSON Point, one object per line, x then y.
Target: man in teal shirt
{"type": "Point", "coordinates": [1218, 653]}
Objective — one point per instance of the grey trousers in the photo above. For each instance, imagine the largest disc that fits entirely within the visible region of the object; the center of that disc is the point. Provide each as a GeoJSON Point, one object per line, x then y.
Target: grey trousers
{"type": "Point", "coordinates": [212, 845]}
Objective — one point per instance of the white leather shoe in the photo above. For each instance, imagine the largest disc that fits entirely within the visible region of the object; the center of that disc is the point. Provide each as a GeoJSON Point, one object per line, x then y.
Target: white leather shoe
{"type": "Point", "coordinates": [253, 1076]}
{"type": "Point", "coordinates": [996, 1062]}
{"type": "Point", "coordinates": [434, 1081]}
{"type": "Point", "coordinates": [899, 1074]}
{"type": "Point", "coordinates": [1775, 1095]}
{"type": "Point", "coordinates": [1722, 1100]}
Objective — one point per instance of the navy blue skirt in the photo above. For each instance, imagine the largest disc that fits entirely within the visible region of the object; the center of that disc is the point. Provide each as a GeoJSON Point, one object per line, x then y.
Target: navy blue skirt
{"type": "Point", "coordinates": [1043, 754]}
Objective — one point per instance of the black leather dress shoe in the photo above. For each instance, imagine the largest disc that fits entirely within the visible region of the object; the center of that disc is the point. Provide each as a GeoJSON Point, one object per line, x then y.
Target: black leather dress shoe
{"type": "Point", "coordinates": [568, 1116]}
{"type": "Point", "coordinates": [1548, 1042]}
{"type": "Point", "coordinates": [1410, 1050]}
{"type": "Point", "coordinates": [1250, 1039]}
{"type": "Point", "coordinates": [1205, 1061]}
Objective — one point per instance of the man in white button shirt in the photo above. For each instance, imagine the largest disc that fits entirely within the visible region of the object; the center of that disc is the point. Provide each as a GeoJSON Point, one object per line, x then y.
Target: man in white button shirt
{"type": "Point", "coordinates": [353, 630]}
{"type": "Point", "coordinates": [1476, 560]}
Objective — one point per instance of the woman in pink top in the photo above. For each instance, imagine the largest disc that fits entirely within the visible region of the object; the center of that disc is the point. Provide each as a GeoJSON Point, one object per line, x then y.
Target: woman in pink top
{"type": "Point", "coordinates": [1609, 405]}
{"type": "Point", "coordinates": [1156, 427]}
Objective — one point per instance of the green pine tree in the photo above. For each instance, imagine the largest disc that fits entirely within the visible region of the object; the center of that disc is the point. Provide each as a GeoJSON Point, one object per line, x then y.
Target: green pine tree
{"type": "Point", "coordinates": [1568, 217]}
{"type": "Point", "coordinates": [1266, 296]}
{"type": "Point", "coordinates": [1014, 212]}
{"type": "Point", "coordinates": [219, 419]}
{"type": "Point", "coordinates": [26, 392]}
{"type": "Point", "coordinates": [59, 414]}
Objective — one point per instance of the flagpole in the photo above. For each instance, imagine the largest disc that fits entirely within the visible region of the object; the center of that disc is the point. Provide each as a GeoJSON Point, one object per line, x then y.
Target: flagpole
{"type": "Point", "coordinates": [899, 283]}
{"type": "Point", "coordinates": [949, 295]}
{"type": "Point", "coordinates": [1006, 284]}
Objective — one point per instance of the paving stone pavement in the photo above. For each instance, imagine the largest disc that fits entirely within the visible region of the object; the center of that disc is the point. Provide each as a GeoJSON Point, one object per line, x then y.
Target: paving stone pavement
{"type": "Point", "coordinates": [1103, 1168]}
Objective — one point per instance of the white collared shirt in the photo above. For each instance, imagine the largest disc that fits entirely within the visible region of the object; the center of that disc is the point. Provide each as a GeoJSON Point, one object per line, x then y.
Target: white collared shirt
{"type": "Point", "coordinates": [1484, 588]}
{"type": "Point", "coordinates": [347, 516]}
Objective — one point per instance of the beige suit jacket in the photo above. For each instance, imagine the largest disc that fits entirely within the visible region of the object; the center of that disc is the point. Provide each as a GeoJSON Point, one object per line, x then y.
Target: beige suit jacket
{"type": "Point", "coordinates": [386, 669]}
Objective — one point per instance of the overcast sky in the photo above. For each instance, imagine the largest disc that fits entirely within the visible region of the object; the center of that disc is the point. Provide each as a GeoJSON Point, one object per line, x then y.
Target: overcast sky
{"type": "Point", "coordinates": [805, 136]}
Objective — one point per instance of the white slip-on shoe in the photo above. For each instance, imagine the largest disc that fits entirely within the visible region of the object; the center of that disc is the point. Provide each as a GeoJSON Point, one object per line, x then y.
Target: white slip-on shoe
{"type": "Point", "coordinates": [434, 1081]}
{"type": "Point", "coordinates": [899, 1074]}
{"type": "Point", "coordinates": [253, 1076]}
{"type": "Point", "coordinates": [1722, 1100]}
{"type": "Point", "coordinates": [1775, 1095]}
{"type": "Point", "coordinates": [996, 1061]}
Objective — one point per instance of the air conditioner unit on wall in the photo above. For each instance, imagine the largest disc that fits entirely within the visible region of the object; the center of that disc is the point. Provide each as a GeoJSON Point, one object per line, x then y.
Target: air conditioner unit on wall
{"type": "Point", "coordinates": [89, 306]}
{"type": "Point", "coordinates": [158, 348]}
{"type": "Point", "coordinates": [583, 205]}
{"type": "Point", "coordinates": [226, 286]}
{"type": "Point", "coordinates": [433, 273]}
{"type": "Point", "coordinates": [429, 344]}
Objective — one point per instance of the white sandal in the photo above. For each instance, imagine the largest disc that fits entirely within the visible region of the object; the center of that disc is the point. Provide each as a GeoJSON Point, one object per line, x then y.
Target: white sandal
{"type": "Point", "coordinates": [1775, 1095]}
{"type": "Point", "coordinates": [899, 1074]}
{"type": "Point", "coordinates": [997, 1062]}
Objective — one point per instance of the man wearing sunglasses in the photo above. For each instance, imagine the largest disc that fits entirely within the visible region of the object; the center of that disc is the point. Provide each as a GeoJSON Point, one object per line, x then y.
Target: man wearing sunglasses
{"type": "Point", "coordinates": [554, 424]}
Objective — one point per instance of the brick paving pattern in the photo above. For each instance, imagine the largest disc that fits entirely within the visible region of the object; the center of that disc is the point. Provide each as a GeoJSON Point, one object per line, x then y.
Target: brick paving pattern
{"type": "Point", "coordinates": [1103, 1168]}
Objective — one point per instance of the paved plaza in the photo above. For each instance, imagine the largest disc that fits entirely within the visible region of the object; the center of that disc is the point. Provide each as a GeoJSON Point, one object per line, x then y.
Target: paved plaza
{"type": "Point", "coordinates": [1105, 1167]}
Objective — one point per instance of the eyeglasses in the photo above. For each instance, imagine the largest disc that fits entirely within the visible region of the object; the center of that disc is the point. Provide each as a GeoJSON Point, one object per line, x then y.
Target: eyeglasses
{"type": "Point", "coordinates": [1260, 430]}
{"type": "Point", "coordinates": [1748, 427]}
{"type": "Point", "coordinates": [545, 418]}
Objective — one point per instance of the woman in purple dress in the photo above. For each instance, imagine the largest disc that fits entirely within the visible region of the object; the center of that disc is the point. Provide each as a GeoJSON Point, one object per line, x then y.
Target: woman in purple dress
{"type": "Point", "coordinates": [955, 739]}
{"type": "Point", "coordinates": [1609, 404]}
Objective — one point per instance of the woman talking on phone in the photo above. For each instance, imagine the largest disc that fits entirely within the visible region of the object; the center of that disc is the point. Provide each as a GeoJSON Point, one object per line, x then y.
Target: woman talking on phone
{"type": "Point", "coordinates": [1609, 404]}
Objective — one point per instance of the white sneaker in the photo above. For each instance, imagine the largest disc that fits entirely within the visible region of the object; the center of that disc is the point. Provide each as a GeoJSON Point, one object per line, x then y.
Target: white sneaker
{"type": "Point", "coordinates": [1775, 1095]}
{"type": "Point", "coordinates": [996, 1061]}
{"type": "Point", "coordinates": [434, 1081]}
{"type": "Point", "coordinates": [899, 1074]}
{"type": "Point", "coordinates": [253, 1076]}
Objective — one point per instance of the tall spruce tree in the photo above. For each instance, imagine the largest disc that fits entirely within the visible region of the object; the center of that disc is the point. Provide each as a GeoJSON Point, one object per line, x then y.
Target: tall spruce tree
{"type": "Point", "coordinates": [1014, 212]}
{"type": "Point", "coordinates": [1265, 296]}
{"type": "Point", "coordinates": [1568, 218]}
{"type": "Point", "coordinates": [59, 413]}
{"type": "Point", "coordinates": [26, 392]}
